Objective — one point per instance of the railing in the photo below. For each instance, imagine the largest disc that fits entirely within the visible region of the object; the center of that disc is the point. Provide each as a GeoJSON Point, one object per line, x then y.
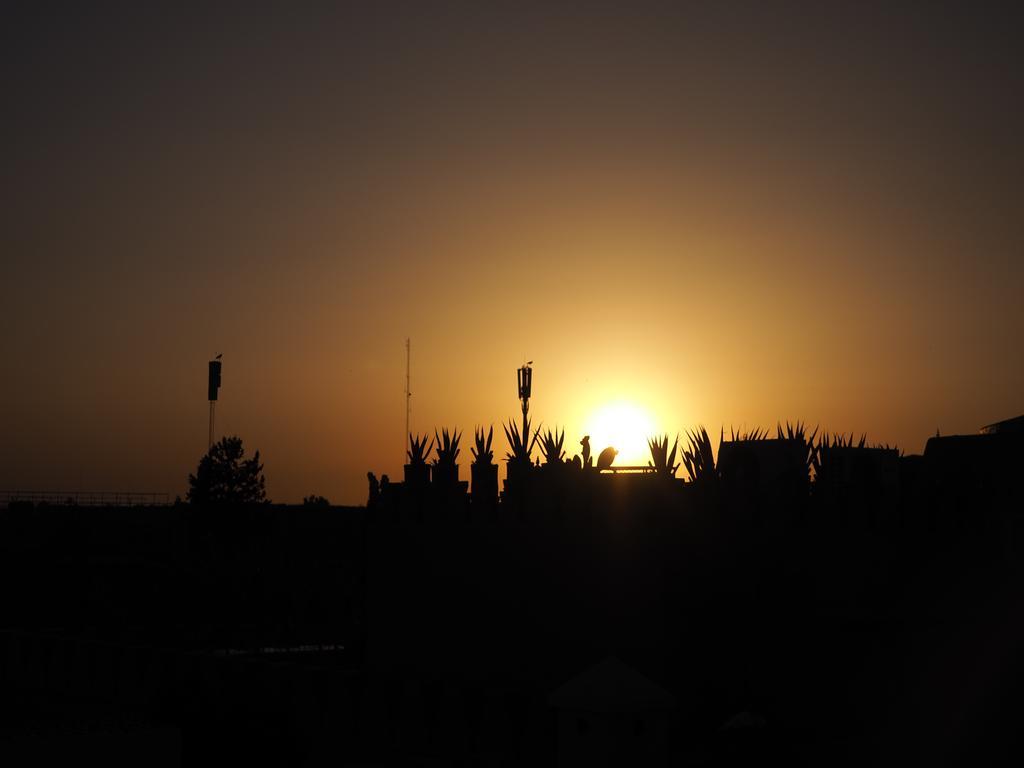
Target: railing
{"type": "Point", "coordinates": [87, 498]}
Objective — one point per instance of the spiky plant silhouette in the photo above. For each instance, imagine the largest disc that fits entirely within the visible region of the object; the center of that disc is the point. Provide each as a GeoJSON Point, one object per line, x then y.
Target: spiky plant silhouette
{"type": "Point", "coordinates": [698, 457]}
{"type": "Point", "coordinates": [823, 450]}
{"type": "Point", "coordinates": [447, 447]}
{"type": "Point", "coordinates": [799, 432]}
{"type": "Point", "coordinates": [754, 434]}
{"type": "Point", "coordinates": [418, 450]}
{"type": "Point", "coordinates": [551, 445]}
{"type": "Point", "coordinates": [519, 448]}
{"type": "Point", "coordinates": [663, 461]}
{"type": "Point", "coordinates": [839, 440]}
{"type": "Point", "coordinates": [796, 432]}
{"type": "Point", "coordinates": [482, 453]}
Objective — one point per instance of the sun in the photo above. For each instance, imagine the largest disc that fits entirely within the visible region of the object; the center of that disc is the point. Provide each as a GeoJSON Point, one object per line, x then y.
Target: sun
{"type": "Point", "coordinates": [625, 426]}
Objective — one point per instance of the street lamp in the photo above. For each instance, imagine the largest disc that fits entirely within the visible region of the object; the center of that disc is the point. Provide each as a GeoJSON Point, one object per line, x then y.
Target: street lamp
{"type": "Point", "coordinates": [525, 378]}
{"type": "Point", "coordinates": [212, 386]}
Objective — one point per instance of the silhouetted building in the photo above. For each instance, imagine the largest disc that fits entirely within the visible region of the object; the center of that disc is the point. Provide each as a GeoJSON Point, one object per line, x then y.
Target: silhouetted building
{"type": "Point", "coordinates": [983, 462]}
{"type": "Point", "coordinates": [612, 716]}
{"type": "Point", "coordinates": [1015, 425]}
{"type": "Point", "coordinates": [762, 465]}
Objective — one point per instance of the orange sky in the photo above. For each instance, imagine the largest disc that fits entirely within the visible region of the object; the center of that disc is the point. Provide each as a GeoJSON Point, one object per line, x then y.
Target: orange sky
{"type": "Point", "coordinates": [723, 217]}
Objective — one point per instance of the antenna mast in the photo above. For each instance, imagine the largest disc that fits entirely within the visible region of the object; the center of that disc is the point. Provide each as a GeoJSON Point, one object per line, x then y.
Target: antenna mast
{"type": "Point", "coordinates": [408, 394]}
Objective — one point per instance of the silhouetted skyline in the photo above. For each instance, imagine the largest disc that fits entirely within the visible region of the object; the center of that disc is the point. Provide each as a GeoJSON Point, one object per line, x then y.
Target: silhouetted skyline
{"type": "Point", "coordinates": [733, 215]}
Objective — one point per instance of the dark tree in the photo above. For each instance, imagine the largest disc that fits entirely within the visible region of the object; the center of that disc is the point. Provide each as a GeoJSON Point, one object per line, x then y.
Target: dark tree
{"type": "Point", "coordinates": [224, 476]}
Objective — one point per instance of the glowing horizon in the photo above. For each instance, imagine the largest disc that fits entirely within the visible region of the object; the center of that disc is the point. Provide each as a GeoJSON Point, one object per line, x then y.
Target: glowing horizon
{"type": "Point", "coordinates": [716, 215]}
{"type": "Point", "coordinates": [625, 426]}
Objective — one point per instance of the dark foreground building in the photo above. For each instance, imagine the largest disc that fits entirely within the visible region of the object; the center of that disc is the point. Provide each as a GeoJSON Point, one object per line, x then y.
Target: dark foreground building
{"type": "Point", "coordinates": [584, 617]}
